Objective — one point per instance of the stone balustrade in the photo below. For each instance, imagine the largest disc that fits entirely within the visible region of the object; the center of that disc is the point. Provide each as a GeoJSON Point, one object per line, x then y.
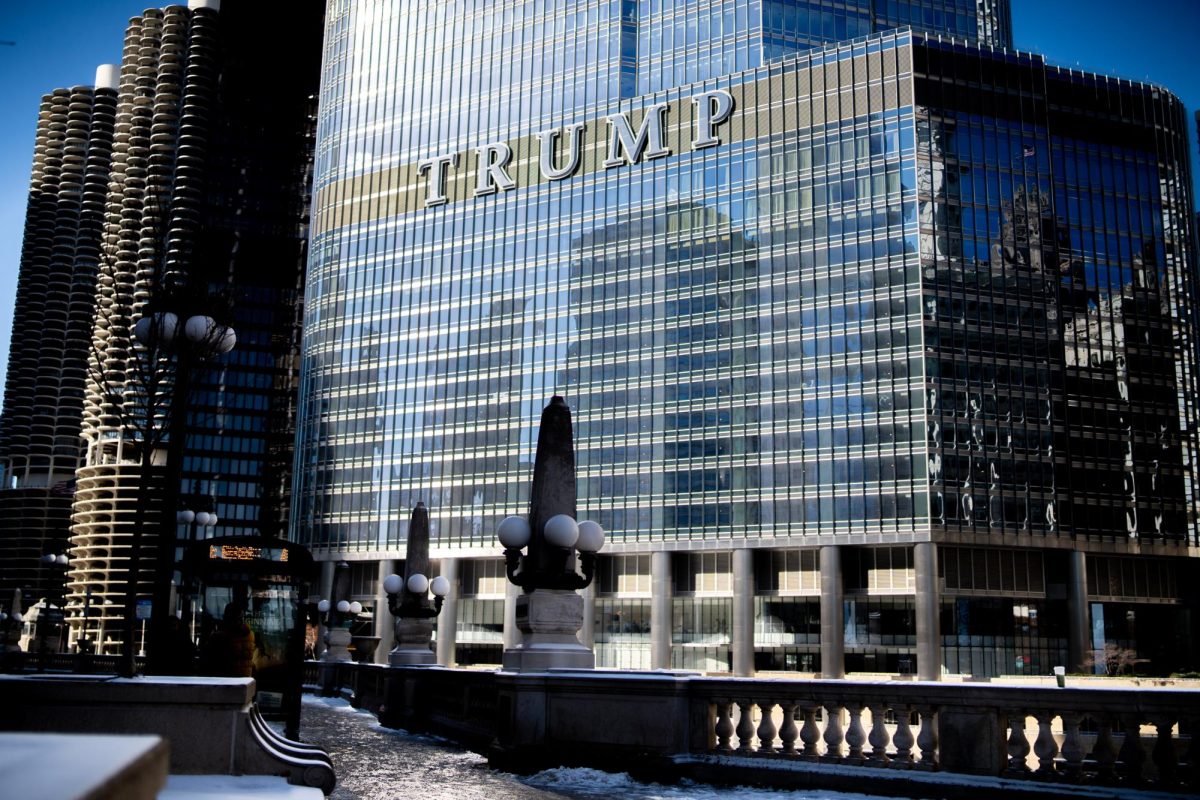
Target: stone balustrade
{"type": "Point", "coordinates": [876, 733]}
{"type": "Point", "coordinates": [1131, 736]}
{"type": "Point", "coordinates": [1116, 737]}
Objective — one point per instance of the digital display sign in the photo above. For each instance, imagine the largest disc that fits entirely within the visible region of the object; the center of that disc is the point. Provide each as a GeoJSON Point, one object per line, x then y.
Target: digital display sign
{"type": "Point", "coordinates": [242, 552]}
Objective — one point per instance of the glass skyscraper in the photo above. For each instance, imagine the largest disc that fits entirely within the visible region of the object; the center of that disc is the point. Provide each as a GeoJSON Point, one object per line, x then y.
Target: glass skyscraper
{"type": "Point", "coordinates": [878, 338]}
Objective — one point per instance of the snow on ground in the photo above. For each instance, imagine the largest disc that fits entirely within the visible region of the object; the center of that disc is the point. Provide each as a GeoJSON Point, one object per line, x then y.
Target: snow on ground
{"type": "Point", "coordinates": [377, 763]}
{"type": "Point", "coordinates": [590, 783]}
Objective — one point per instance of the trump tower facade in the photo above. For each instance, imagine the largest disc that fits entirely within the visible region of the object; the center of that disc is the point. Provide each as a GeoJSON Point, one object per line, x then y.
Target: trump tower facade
{"type": "Point", "coordinates": [878, 334]}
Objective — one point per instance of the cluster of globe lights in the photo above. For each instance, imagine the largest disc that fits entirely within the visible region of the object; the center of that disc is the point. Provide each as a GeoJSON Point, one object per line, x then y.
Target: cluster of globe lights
{"type": "Point", "coordinates": [417, 584]}
{"type": "Point", "coordinates": [560, 530]}
{"type": "Point", "coordinates": [201, 329]}
{"type": "Point", "coordinates": [205, 519]}
{"type": "Point", "coordinates": [343, 607]}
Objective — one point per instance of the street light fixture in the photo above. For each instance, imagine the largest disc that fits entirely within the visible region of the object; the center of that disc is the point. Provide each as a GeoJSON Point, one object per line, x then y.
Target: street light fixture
{"type": "Point", "coordinates": [51, 616]}
{"type": "Point", "coordinates": [408, 597]}
{"type": "Point", "coordinates": [417, 585]}
{"type": "Point", "coordinates": [174, 332]}
{"type": "Point", "coordinates": [550, 555]}
{"type": "Point", "coordinates": [336, 618]}
{"type": "Point", "coordinates": [201, 519]}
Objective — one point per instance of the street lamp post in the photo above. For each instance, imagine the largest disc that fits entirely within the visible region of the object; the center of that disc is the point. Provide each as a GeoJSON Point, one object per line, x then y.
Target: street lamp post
{"type": "Point", "coordinates": [174, 332]}
{"type": "Point", "coordinates": [408, 597]}
{"type": "Point", "coordinates": [195, 521]}
{"type": "Point", "coordinates": [83, 645]}
{"type": "Point", "coordinates": [335, 617]}
{"type": "Point", "coordinates": [559, 556]}
{"type": "Point", "coordinates": [51, 616]}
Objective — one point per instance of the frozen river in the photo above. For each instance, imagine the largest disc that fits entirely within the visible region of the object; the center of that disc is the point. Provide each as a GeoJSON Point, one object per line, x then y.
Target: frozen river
{"type": "Point", "coordinates": [377, 763]}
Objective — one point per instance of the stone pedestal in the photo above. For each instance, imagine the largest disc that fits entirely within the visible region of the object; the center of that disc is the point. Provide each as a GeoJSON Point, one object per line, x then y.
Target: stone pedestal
{"type": "Point", "coordinates": [337, 640]}
{"type": "Point", "coordinates": [549, 620]}
{"type": "Point", "coordinates": [412, 643]}
{"type": "Point", "coordinates": [364, 648]}
{"type": "Point", "coordinates": [212, 725]}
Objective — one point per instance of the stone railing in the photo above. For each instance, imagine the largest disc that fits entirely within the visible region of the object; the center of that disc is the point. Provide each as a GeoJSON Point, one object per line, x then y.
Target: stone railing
{"type": "Point", "coordinates": [818, 722]}
{"type": "Point", "coordinates": [1122, 737]}
{"type": "Point", "coordinates": [459, 704]}
{"type": "Point", "coordinates": [1092, 735]}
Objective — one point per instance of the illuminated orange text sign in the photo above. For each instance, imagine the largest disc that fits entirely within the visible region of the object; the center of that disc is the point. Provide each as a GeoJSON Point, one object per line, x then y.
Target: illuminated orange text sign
{"type": "Point", "coordinates": [243, 552]}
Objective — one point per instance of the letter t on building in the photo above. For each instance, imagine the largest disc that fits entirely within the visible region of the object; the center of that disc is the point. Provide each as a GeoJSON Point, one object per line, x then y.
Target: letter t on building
{"type": "Point", "coordinates": [435, 195]}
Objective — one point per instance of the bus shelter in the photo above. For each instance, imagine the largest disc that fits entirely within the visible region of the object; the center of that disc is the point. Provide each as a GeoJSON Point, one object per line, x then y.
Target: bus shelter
{"type": "Point", "coordinates": [244, 616]}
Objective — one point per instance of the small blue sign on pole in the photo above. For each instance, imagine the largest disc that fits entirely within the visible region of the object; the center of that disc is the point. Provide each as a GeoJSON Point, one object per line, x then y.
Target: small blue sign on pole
{"type": "Point", "coordinates": [143, 608]}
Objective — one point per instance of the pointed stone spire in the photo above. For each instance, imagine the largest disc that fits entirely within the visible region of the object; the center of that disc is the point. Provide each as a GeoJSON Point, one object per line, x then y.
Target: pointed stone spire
{"type": "Point", "coordinates": [553, 490]}
{"type": "Point", "coordinates": [416, 559]}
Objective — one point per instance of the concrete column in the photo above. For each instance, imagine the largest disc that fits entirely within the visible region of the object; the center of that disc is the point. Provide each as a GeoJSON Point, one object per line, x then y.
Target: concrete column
{"type": "Point", "coordinates": [928, 602]}
{"type": "Point", "coordinates": [587, 634]}
{"type": "Point", "coordinates": [384, 627]}
{"type": "Point", "coordinates": [742, 635]}
{"type": "Point", "coordinates": [447, 621]}
{"type": "Point", "coordinates": [1079, 622]}
{"type": "Point", "coordinates": [512, 636]}
{"type": "Point", "coordinates": [324, 592]}
{"type": "Point", "coordinates": [833, 626]}
{"type": "Point", "coordinates": [660, 610]}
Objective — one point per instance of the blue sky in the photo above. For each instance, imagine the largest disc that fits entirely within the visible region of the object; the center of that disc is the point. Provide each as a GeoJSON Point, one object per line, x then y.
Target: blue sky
{"type": "Point", "coordinates": [59, 43]}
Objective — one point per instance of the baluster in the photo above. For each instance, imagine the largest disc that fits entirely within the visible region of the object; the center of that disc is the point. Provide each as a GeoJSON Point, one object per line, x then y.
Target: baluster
{"type": "Point", "coordinates": [788, 731]}
{"type": "Point", "coordinates": [879, 737]}
{"type": "Point", "coordinates": [903, 739]}
{"type": "Point", "coordinates": [745, 727]}
{"type": "Point", "coordinates": [856, 735]}
{"type": "Point", "coordinates": [1045, 747]}
{"type": "Point", "coordinates": [1132, 756]}
{"type": "Point", "coordinates": [833, 732]}
{"type": "Point", "coordinates": [1190, 726]}
{"type": "Point", "coordinates": [766, 729]}
{"type": "Point", "coordinates": [927, 739]}
{"type": "Point", "coordinates": [724, 726]}
{"type": "Point", "coordinates": [1072, 749]}
{"type": "Point", "coordinates": [1018, 744]}
{"type": "Point", "coordinates": [810, 734]}
{"type": "Point", "coordinates": [1165, 757]}
{"type": "Point", "coordinates": [1104, 751]}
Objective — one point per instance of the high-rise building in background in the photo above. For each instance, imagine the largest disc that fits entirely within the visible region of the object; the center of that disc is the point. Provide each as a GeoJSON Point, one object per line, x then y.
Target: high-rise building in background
{"type": "Point", "coordinates": [881, 351]}
{"type": "Point", "coordinates": [52, 332]}
{"type": "Point", "coordinates": [206, 183]}
{"type": "Point", "coordinates": [210, 181]}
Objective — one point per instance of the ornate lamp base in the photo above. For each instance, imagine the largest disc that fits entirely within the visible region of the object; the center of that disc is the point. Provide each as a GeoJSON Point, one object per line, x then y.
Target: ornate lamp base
{"type": "Point", "coordinates": [337, 640]}
{"type": "Point", "coordinates": [412, 644]}
{"type": "Point", "coordinates": [550, 620]}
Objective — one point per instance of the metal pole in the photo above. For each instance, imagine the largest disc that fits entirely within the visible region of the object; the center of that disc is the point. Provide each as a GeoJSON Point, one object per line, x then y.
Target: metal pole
{"type": "Point", "coordinates": [127, 666]}
{"type": "Point", "coordinates": [161, 609]}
